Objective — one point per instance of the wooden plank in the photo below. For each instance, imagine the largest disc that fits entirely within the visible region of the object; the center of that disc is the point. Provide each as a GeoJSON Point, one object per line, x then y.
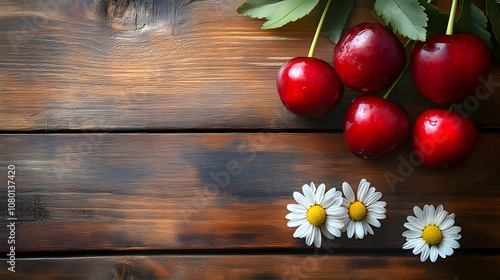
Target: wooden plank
{"type": "Point", "coordinates": [313, 266]}
{"type": "Point", "coordinates": [158, 64]}
{"type": "Point", "coordinates": [227, 190]}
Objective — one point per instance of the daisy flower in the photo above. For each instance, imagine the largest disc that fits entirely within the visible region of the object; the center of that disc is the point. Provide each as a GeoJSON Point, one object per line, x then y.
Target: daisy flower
{"type": "Point", "coordinates": [316, 212]}
{"type": "Point", "coordinates": [431, 233]}
{"type": "Point", "coordinates": [364, 210]}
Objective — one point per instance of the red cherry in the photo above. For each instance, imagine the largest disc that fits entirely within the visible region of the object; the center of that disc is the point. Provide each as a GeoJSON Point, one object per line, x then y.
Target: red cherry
{"type": "Point", "coordinates": [369, 57]}
{"type": "Point", "coordinates": [309, 87]}
{"type": "Point", "coordinates": [442, 139]}
{"type": "Point", "coordinates": [446, 68]}
{"type": "Point", "coordinates": [375, 128]}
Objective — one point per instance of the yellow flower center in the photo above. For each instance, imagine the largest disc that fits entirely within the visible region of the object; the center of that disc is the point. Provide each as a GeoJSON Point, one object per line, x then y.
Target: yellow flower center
{"type": "Point", "coordinates": [432, 235]}
{"type": "Point", "coordinates": [316, 215]}
{"type": "Point", "coordinates": [357, 211]}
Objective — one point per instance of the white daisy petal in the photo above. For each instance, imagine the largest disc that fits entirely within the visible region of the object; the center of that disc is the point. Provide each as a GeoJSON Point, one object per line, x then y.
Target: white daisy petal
{"type": "Point", "coordinates": [449, 251]}
{"type": "Point", "coordinates": [336, 232]}
{"type": "Point", "coordinates": [371, 191]}
{"type": "Point", "coordinates": [310, 235]}
{"type": "Point", "coordinates": [350, 229]}
{"type": "Point", "coordinates": [379, 204]}
{"type": "Point", "coordinates": [302, 230]}
{"type": "Point", "coordinates": [453, 236]}
{"type": "Point", "coordinates": [433, 253]}
{"type": "Point", "coordinates": [426, 212]}
{"type": "Point", "coordinates": [362, 181]}
{"type": "Point", "coordinates": [367, 227]}
{"type": "Point", "coordinates": [359, 230]}
{"type": "Point", "coordinates": [378, 216]}
{"type": "Point", "coordinates": [450, 217]}
{"type": "Point", "coordinates": [349, 194]}
{"type": "Point", "coordinates": [331, 193]}
{"type": "Point", "coordinates": [416, 222]}
{"type": "Point", "coordinates": [445, 249]}
{"type": "Point", "coordinates": [453, 244]}
{"type": "Point", "coordinates": [412, 234]}
{"type": "Point", "coordinates": [419, 213]}
{"type": "Point", "coordinates": [420, 246]}
{"type": "Point", "coordinates": [425, 253]}
{"type": "Point", "coordinates": [447, 224]}
{"type": "Point", "coordinates": [411, 227]}
{"type": "Point", "coordinates": [294, 216]}
{"type": "Point", "coordinates": [320, 192]}
{"type": "Point", "coordinates": [440, 215]}
{"type": "Point", "coordinates": [301, 200]}
{"type": "Point", "coordinates": [296, 223]}
{"type": "Point", "coordinates": [335, 211]}
{"type": "Point", "coordinates": [430, 215]}
{"type": "Point", "coordinates": [372, 221]}
{"type": "Point", "coordinates": [362, 190]}
{"type": "Point", "coordinates": [376, 209]}
{"type": "Point", "coordinates": [313, 187]}
{"type": "Point", "coordinates": [345, 202]}
{"type": "Point", "coordinates": [325, 232]}
{"type": "Point", "coordinates": [337, 202]}
{"type": "Point", "coordinates": [411, 243]}
{"type": "Point", "coordinates": [441, 253]}
{"type": "Point", "coordinates": [327, 203]}
{"type": "Point", "coordinates": [333, 223]}
{"type": "Point", "coordinates": [346, 224]}
{"type": "Point", "coordinates": [296, 208]}
{"type": "Point", "coordinates": [333, 227]}
{"type": "Point", "coordinates": [452, 230]}
{"type": "Point", "coordinates": [309, 194]}
{"type": "Point", "coordinates": [317, 237]}
{"type": "Point", "coordinates": [372, 199]}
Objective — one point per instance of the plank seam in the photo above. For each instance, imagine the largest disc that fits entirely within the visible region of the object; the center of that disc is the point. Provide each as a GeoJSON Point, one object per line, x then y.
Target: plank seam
{"type": "Point", "coordinates": [196, 131]}
{"type": "Point", "coordinates": [231, 252]}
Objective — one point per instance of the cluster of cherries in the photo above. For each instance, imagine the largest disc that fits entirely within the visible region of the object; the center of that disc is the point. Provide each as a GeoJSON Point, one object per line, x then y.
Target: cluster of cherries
{"type": "Point", "coordinates": [368, 58]}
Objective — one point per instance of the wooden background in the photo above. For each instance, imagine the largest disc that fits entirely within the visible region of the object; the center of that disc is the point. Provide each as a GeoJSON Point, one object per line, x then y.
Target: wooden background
{"type": "Point", "coordinates": [150, 143]}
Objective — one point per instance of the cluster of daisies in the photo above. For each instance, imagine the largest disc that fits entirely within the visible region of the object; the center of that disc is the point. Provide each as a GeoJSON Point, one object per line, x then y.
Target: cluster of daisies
{"type": "Point", "coordinates": [430, 233]}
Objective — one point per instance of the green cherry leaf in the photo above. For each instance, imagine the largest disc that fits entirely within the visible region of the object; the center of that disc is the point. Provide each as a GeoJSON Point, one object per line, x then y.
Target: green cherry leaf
{"type": "Point", "coordinates": [290, 10]}
{"type": "Point", "coordinates": [259, 8]}
{"type": "Point", "coordinates": [407, 17]}
{"type": "Point", "coordinates": [336, 18]}
{"type": "Point", "coordinates": [472, 19]}
{"type": "Point", "coordinates": [437, 21]}
{"type": "Point", "coordinates": [493, 11]}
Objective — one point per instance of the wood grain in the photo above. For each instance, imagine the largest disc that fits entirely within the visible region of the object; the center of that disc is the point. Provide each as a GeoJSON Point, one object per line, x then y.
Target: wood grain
{"type": "Point", "coordinates": [161, 64]}
{"type": "Point", "coordinates": [97, 204]}
{"type": "Point", "coordinates": [286, 267]}
{"type": "Point", "coordinates": [223, 190]}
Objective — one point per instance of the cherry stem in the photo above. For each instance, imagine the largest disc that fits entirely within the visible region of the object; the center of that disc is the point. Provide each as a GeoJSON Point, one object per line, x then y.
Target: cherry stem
{"type": "Point", "coordinates": [400, 74]}
{"type": "Point", "coordinates": [407, 43]}
{"type": "Point", "coordinates": [451, 107]}
{"type": "Point", "coordinates": [318, 30]}
{"type": "Point", "coordinates": [451, 19]}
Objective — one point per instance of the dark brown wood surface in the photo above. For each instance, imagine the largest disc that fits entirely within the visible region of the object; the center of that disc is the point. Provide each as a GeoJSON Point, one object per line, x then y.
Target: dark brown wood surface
{"type": "Point", "coordinates": [71, 65]}
{"type": "Point", "coordinates": [224, 190]}
{"type": "Point", "coordinates": [150, 143]}
{"type": "Point", "coordinates": [286, 267]}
